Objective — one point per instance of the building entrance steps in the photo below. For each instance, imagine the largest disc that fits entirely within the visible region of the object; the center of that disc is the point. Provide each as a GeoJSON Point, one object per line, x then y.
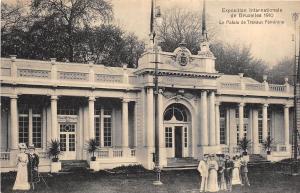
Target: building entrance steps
{"type": "Point", "coordinates": [187, 163]}
{"type": "Point", "coordinates": [71, 165]}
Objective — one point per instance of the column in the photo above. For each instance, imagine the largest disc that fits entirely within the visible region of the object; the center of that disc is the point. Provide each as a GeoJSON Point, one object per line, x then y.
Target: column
{"type": "Point", "coordinates": [125, 123]}
{"type": "Point", "coordinates": [217, 107]}
{"type": "Point", "coordinates": [265, 121]}
{"type": "Point", "coordinates": [30, 126]}
{"type": "Point", "coordinates": [255, 131]}
{"type": "Point", "coordinates": [204, 133]}
{"type": "Point", "coordinates": [286, 125]}
{"type": "Point", "coordinates": [162, 152]}
{"type": "Point", "coordinates": [241, 120]}
{"type": "Point", "coordinates": [14, 122]}
{"type": "Point", "coordinates": [212, 120]}
{"type": "Point", "coordinates": [102, 128]}
{"type": "Point", "coordinates": [135, 124]}
{"type": "Point", "coordinates": [54, 129]}
{"type": "Point", "coordinates": [150, 121]}
{"type": "Point", "coordinates": [92, 117]}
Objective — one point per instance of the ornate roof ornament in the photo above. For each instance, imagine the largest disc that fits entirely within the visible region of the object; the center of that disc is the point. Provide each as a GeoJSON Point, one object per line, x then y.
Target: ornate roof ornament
{"type": "Point", "coordinates": [182, 54]}
{"type": "Point", "coordinates": [204, 45]}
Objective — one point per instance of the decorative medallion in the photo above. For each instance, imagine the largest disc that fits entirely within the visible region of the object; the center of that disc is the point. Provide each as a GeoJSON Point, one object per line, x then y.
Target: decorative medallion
{"type": "Point", "coordinates": [183, 56]}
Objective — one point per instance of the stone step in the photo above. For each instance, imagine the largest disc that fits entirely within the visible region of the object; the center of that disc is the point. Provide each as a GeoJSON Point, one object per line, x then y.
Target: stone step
{"type": "Point", "coordinates": [184, 167]}
{"type": "Point", "coordinates": [69, 165]}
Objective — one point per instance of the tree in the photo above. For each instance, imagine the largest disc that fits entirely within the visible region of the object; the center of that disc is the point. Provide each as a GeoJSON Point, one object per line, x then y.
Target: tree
{"type": "Point", "coordinates": [12, 16]}
{"type": "Point", "coordinates": [73, 14]}
{"type": "Point", "coordinates": [284, 68]}
{"type": "Point", "coordinates": [236, 58]}
{"type": "Point", "coordinates": [182, 25]}
{"type": "Point", "coordinates": [113, 47]}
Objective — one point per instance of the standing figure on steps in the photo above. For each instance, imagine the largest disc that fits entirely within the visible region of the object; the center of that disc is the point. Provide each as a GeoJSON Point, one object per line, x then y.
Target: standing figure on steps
{"type": "Point", "coordinates": [221, 176]}
{"type": "Point", "coordinates": [212, 182]}
{"type": "Point", "coordinates": [203, 170]}
{"type": "Point", "coordinates": [244, 172]}
{"type": "Point", "coordinates": [33, 163]}
{"type": "Point", "coordinates": [228, 172]}
{"type": "Point", "coordinates": [236, 180]}
{"type": "Point", "coordinates": [21, 182]}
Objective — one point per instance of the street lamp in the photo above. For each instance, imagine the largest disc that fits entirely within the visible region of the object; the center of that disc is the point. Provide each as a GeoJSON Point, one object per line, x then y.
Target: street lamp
{"type": "Point", "coordinates": [295, 17]}
{"type": "Point", "coordinates": [157, 21]}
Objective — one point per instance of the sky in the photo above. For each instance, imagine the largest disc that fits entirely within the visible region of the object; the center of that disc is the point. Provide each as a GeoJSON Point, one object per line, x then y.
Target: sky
{"type": "Point", "coordinates": [270, 42]}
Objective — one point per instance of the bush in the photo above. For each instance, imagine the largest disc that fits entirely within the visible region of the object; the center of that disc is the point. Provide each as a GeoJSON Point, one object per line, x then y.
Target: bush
{"type": "Point", "coordinates": [54, 149]}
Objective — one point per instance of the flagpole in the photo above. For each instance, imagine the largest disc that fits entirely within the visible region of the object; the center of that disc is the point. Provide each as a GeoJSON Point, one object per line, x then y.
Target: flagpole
{"type": "Point", "coordinates": [154, 19]}
{"type": "Point", "coordinates": [296, 82]}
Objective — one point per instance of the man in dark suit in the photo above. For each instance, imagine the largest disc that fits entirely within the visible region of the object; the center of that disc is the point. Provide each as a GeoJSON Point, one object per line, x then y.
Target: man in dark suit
{"type": "Point", "coordinates": [33, 163]}
{"type": "Point", "coordinates": [228, 172]}
{"type": "Point", "coordinates": [244, 172]}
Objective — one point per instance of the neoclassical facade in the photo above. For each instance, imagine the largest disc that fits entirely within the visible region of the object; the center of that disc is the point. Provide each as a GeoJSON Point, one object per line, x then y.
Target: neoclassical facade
{"type": "Point", "coordinates": [200, 110]}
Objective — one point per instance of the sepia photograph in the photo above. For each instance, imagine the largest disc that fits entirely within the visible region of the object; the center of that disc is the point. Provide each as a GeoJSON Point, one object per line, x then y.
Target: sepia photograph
{"type": "Point", "coordinates": [150, 96]}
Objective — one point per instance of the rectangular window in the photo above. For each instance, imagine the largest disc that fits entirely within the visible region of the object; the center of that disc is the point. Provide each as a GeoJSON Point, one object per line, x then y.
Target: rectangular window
{"type": "Point", "coordinates": [63, 142]}
{"type": "Point", "coordinates": [23, 128]}
{"type": "Point", "coordinates": [237, 133]}
{"type": "Point", "coordinates": [237, 114]}
{"type": "Point", "coordinates": [24, 124]}
{"type": "Point", "coordinates": [222, 126]}
{"type": "Point", "coordinates": [107, 121]}
{"type": "Point", "coordinates": [185, 137]}
{"type": "Point", "coordinates": [37, 130]}
{"type": "Point", "coordinates": [246, 113]}
{"type": "Point", "coordinates": [97, 128]}
{"type": "Point", "coordinates": [245, 130]}
{"type": "Point", "coordinates": [222, 131]}
{"type": "Point", "coordinates": [66, 109]}
{"type": "Point", "coordinates": [260, 126]}
{"type": "Point", "coordinates": [260, 131]}
{"type": "Point", "coordinates": [168, 136]}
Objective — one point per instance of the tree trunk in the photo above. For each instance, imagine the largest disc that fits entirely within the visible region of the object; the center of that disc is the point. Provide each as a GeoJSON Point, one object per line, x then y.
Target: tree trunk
{"type": "Point", "coordinates": [70, 42]}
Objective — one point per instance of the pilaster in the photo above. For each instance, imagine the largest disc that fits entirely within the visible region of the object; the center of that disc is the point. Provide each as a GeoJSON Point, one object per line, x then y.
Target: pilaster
{"type": "Point", "coordinates": [14, 122]}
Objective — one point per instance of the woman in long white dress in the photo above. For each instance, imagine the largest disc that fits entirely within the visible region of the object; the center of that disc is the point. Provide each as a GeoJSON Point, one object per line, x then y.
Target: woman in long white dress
{"type": "Point", "coordinates": [21, 182]}
{"type": "Point", "coordinates": [212, 182]}
{"type": "Point", "coordinates": [236, 171]}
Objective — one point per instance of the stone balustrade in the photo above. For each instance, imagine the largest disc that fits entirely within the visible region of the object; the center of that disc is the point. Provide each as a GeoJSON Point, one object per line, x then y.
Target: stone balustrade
{"type": "Point", "coordinates": [252, 87]}
{"type": "Point", "coordinates": [40, 72]}
{"type": "Point", "coordinates": [5, 156]}
{"type": "Point", "coordinates": [279, 148]}
{"type": "Point", "coordinates": [114, 153]}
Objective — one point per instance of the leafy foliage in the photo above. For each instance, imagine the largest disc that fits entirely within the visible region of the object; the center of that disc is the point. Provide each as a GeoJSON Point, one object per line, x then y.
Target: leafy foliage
{"type": "Point", "coordinates": [54, 149]}
{"type": "Point", "coordinates": [284, 68]}
{"type": "Point", "coordinates": [47, 36]}
{"type": "Point", "coordinates": [73, 15]}
{"type": "Point", "coordinates": [182, 25]}
{"type": "Point", "coordinates": [267, 143]}
{"type": "Point", "coordinates": [92, 146]}
{"type": "Point", "coordinates": [244, 144]}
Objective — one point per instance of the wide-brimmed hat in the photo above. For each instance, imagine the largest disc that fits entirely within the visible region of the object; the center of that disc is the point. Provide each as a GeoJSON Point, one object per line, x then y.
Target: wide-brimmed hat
{"type": "Point", "coordinates": [31, 146]}
{"type": "Point", "coordinates": [22, 146]}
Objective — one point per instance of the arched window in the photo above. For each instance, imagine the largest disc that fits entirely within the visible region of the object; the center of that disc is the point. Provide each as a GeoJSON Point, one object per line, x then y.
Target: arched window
{"type": "Point", "coordinates": [178, 111]}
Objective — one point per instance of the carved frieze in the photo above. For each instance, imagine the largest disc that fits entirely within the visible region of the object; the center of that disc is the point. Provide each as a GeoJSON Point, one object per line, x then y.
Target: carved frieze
{"type": "Point", "coordinates": [109, 78]}
{"type": "Point", "coordinates": [30, 73]}
{"type": "Point", "coordinates": [67, 119]}
{"type": "Point", "coordinates": [73, 76]}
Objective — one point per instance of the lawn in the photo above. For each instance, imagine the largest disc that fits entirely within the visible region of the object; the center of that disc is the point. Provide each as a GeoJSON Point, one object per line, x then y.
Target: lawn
{"type": "Point", "coordinates": [173, 182]}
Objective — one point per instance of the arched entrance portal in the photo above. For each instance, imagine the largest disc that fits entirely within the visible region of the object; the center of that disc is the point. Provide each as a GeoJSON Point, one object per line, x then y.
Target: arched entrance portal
{"type": "Point", "coordinates": [177, 124]}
